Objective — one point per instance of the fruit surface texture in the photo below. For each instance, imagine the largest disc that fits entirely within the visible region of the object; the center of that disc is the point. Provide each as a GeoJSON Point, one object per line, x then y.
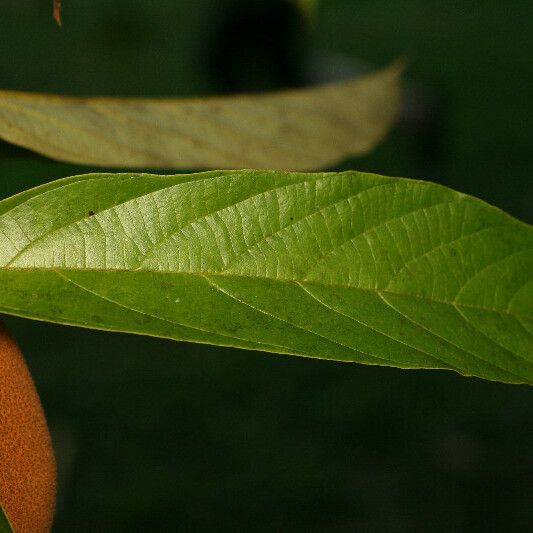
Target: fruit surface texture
{"type": "Point", "coordinates": [27, 464]}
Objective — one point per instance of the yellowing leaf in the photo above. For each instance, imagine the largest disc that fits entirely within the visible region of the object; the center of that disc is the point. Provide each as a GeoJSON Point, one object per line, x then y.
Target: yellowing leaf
{"type": "Point", "coordinates": [292, 130]}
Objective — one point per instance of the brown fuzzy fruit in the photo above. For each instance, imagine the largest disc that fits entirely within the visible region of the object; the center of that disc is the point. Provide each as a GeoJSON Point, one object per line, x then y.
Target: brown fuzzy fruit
{"type": "Point", "coordinates": [27, 464]}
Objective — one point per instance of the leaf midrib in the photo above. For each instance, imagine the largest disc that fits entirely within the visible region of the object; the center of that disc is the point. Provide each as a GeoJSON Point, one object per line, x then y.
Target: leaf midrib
{"type": "Point", "coordinates": [378, 359]}
{"type": "Point", "coordinates": [292, 281]}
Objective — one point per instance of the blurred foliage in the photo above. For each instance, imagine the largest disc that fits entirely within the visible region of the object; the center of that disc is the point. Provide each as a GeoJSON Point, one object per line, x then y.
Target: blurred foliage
{"type": "Point", "coordinates": [153, 435]}
{"type": "Point", "coordinates": [296, 129]}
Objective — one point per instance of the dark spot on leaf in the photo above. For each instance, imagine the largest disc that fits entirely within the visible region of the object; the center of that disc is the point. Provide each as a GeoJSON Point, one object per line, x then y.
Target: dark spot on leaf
{"type": "Point", "coordinates": [292, 218]}
{"type": "Point", "coordinates": [91, 213]}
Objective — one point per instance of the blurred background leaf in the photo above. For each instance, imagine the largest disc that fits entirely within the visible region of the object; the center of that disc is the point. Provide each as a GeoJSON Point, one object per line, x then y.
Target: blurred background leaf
{"type": "Point", "coordinates": [154, 435]}
{"type": "Point", "coordinates": [308, 8]}
{"type": "Point", "coordinates": [303, 129]}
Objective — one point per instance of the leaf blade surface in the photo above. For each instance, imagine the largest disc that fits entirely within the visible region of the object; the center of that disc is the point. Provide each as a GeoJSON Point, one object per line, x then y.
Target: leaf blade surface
{"type": "Point", "coordinates": [293, 130]}
{"type": "Point", "coordinates": [344, 266]}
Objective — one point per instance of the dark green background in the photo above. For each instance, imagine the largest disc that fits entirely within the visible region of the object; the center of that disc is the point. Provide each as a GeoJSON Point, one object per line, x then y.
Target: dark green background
{"type": "Point", "coordinates": [154, 435]}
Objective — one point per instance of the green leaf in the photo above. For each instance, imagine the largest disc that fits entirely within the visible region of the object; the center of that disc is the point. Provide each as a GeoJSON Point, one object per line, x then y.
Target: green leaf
{"type": "Point", "coordinates": [5, 526]}
{"type": "Point", "coordinates": [346, 266]}
{"type": "Point", "coordinates": [299, 129]}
